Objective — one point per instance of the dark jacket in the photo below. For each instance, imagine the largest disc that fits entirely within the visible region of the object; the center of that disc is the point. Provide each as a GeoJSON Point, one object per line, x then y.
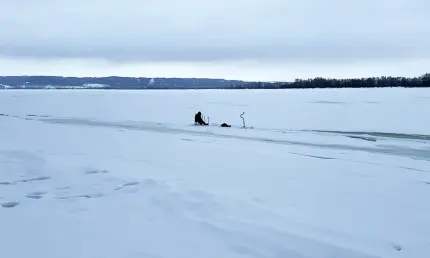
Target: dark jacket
{"type": "Point", "coordinates": [198, 119]}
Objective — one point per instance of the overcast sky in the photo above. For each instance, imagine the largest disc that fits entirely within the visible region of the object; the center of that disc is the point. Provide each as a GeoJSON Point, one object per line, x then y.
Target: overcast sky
{"type": "Point", "coordinates": [233, 39]}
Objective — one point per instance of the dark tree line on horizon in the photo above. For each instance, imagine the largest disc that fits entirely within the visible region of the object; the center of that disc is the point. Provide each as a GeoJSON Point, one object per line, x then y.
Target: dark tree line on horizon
{"type": "Point", "coordinates": [319, 82]}
{"type": "Point", "coordinates": [372, 82]}
{"type": "Point", "coordinates": [114, 82]}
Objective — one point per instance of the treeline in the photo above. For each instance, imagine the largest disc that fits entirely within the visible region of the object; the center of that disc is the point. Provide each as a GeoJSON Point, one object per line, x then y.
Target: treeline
{"type": "Point", "coordinates": [373, 82]}
{"type": "Point", "coordinates": [257, 85]}
{"type": "Point", "coordinates": [113, 82]}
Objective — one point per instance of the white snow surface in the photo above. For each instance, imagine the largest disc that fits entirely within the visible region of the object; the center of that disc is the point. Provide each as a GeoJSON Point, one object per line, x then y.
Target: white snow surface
{"type": "Point", "coordinates": [317, 174]}
{"type": "Point", "coordinates": [95, 85]}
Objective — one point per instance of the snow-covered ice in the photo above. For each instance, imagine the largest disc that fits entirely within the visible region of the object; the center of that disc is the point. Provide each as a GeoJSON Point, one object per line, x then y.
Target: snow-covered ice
{"type": "Point", "coordinates": [318, 173]}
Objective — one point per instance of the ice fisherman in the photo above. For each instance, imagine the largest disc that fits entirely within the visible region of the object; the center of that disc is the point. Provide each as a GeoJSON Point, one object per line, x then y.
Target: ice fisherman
{"type": "Point", "coordinates": [199, 120]}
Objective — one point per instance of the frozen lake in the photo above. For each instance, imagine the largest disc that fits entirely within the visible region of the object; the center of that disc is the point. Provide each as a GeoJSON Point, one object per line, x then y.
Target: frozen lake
{"type": "Point", "coordinates": [316, 173]}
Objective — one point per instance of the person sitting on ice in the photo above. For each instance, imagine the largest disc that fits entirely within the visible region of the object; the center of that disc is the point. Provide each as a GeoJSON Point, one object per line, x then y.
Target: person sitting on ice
{"type": "Point", "coordinates": [199, 120]}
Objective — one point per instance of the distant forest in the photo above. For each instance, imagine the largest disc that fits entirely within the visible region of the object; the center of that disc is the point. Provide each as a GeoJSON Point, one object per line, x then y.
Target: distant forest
{"type": "Point", "coordinates": [114, 82]}
{"type": "Point", "coordinates": [319, 82]}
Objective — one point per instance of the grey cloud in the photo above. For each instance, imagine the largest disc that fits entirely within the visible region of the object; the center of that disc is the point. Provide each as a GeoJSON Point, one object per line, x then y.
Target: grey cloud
{"type": "Point", "coordinates": [286, 53]}
{"type": "Point", "coordinates": [191, 30]}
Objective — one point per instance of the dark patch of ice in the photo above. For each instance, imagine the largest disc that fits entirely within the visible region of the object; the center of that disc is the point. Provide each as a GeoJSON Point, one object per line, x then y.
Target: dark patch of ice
{"type": "Point", "coordinates": [36, 195]}
{"type": "Point", "coordinates": [85, 196]}
{"type": "Point", "coordinates": [369, 139]}
{"type": "Point", "coordinates": [414, 169]}
{"type": "Point", "coordinates": [381, 134]}
{"type": "Point", "coordinates": [164, 128]}
{"type": "Point", "coordinates": [126, 185]}
{"type": "Point", "coordinates": [9, 204]}
{"type": "Point", "coordinates": [41, 178]}
{"type": "Point", "coordinates": [92, 172]}
{"type": "Point", "coordinates": [63, 188]}
{"type": "Point", "coordinates": [397, 247]}
{"type": "Point", "coordinates": [311, 156]}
